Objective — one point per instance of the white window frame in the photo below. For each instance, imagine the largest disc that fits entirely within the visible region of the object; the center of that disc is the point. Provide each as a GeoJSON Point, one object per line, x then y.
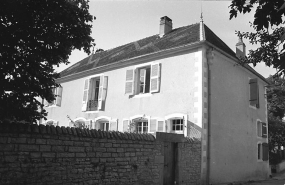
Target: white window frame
{"type": "Point", "coordinates": [100, 76]}
{"type": "Point", "coordinates": [57, 96]}
{"type": "Point", "coordinates": [143, 117]}
{"type": "Point", "coordinates": [136, 79]}
{"type": "Point", "coordinates": [182, 116]}
{"type": "Point", "coordinates": [84, 119]}
{"type": "Point", "coordinates": [102, 119]}
{"type": "Point", "coordinates": [54, 121]}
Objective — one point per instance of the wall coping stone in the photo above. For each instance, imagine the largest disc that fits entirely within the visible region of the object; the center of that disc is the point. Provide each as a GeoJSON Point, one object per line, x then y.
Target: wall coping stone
{"type": "Point", "coordinates": [23, 128]}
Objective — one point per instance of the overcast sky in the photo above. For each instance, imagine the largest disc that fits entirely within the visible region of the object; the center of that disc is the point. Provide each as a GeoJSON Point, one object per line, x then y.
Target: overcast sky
{"type": "Point", "coordinates": [121, 22]}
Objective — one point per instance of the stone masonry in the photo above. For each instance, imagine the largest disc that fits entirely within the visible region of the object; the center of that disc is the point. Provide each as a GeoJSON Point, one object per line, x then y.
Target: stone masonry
{"type": "Point", "coordinates": [39, 154]}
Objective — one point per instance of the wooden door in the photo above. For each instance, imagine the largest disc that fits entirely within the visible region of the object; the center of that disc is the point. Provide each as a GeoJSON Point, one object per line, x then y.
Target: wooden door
{"type": "Point", "coordinates": [170, 151]}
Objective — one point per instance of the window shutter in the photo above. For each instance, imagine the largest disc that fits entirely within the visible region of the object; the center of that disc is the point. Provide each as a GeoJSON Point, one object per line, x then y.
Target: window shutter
{"type": "Point", "coordinates": [114, 125]}
{"type": "Point", "coordinates": [152, 125]}
{"type": "Point", "coordinates": [97, 125]}
{"type": "Point", "coordinates": [155, 78]}
{"type": "Point", "coordinates": [160, 125]}
{"type": "Point", "coordinates": [88, 124]}
{"type": "Point", "coordinates": [58, 96]}
{"type": "Point", "coordinates": [254, 93]}
{"type": "Point", "coordinates": [168, 126]}
{"type": "Point", "coordinates": [185, 125]}
{"type": "Point", "coordinates": [264, 130]}
{"type": "Point", "coordinates": [126, 125]}
{"type": "Point", "coordinates": [46, 104]}
{"type": "Point", "coordinates": [265, 151]}
{"type": "Point", "coordinates": [100, 94]}
{"type": "Point", "coordinates": [130, 77]}
{"type": "Point", "coordinates": [259, 128]}
{"type": "Point", "coordinates": [85, 94]}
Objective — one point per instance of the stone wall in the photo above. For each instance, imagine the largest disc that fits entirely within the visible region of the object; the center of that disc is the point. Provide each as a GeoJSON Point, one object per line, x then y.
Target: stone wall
{"type": "Point", "coordinates": [32, 154]}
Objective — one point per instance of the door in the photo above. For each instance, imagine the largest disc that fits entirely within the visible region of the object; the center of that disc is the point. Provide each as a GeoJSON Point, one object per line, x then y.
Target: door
{"type": "Point", "coordinates": [170, 155]}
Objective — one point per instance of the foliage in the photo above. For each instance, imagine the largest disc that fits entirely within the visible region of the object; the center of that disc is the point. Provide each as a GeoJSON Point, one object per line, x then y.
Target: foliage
{"type": "Point", "coordinates": [268, 24]}
{"type": "Point", "coordinates": [276, 96]}
{"type": "Point", "coordinates": [37, 35]}
{"type": "Point", "coordinates": [276, 139]}
{"type": "Point", "coordinates": [276, 109]}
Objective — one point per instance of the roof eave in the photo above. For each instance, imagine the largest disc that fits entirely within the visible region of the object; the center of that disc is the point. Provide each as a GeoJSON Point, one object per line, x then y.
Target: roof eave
{"type": "Point", "coordinates": [246, 66]}
{"type": "Point", "coordinates": [131, 61]}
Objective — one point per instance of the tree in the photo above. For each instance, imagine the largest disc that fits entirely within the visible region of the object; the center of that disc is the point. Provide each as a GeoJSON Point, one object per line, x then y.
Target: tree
{"type": "Point", "coordinates": [37, 35]}
{"type": "Point", "coordinates": [275, 96]}
{"type": "Point", "coordinates": [269, 32]}
{"type": "Point", "coordinates": [276, 109]}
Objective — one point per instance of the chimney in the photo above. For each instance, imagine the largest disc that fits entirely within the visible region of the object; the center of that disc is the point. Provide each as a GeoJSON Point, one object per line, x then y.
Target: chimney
{"type": "Point", "coordinates": [240, 48]}
{"type": "Point", "coordinates": [165, 26]}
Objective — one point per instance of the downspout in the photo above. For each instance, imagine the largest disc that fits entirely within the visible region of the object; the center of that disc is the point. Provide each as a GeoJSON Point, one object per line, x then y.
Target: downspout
{"type": "Point", "coordinates": [209, 57]}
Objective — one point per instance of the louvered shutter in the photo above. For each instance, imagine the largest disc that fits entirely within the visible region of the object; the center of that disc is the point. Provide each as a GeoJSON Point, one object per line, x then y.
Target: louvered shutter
{"type": "Point", "coordinates": [254, 92]}
{"type": "Point", "coordinates": [88, 124]}
{"type": "Point", "coordinates": [114, 125]}
{"type": "Point", "coordinates": [130, 77]}
{"type": "Point", "coordinates": [264, 130]}
{"type": "Point", "coordinates": [185, 125]}
{"type": "Point", "coordinates": [100, 94]}
{"type": "Point", "coordinates": [160, 125]}
{"type": "Point", "coordinates": [97, 125]}
{"type": "Point", "coordinates": [85, 94]}
{"type": "Point", "coordinates": [155, 78]}
{"type": "Point", "coordinates": [265, 151]}
{"type": "Point", "coordinates": [152, 125]}
{"type": "Point", "coordinates": [58, 96]}
{"type": "Point", "coordinates": [132, 127]}
{"type": "Point", "coordinates": [126, 125]}
{"type": "Point", "coordinates": [46, 104]}
{"type": "Point", "coordinates": [168, 126]}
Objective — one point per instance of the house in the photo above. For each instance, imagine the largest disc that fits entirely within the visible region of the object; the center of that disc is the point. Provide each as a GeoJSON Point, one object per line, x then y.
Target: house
{"type": "Point", "coordinates": [185, 81]}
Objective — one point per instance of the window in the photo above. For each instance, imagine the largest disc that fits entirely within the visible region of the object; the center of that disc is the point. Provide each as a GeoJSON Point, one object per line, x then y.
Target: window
{"type": "Point", "coordinates": [254, 93]}
{"type": "Point", "coordinates": [94, 93]}
{"type": "Point", "coordinates": [142, 127]}
{"type": "Point", "coordinates": [51, 122]}
{"type": "Point", "coordinates": [139, 124]}
{"type": "Point", "coordinates": [261, 129]}
{"type": "Point", "coordinates": [143, 80]}
{"type": "Point", "coordinates": [57, 92]}
{"type": "Point", "coordinates": [177, 124]}
{"type": "Point", "coordinates": [104, 126]}
{"type": "Point", "coordinates": [262, 151]}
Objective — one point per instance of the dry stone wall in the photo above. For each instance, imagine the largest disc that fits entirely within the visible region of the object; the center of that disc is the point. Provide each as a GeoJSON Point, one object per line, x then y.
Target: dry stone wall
{"type": "Point", "coordinates": [39, 154]}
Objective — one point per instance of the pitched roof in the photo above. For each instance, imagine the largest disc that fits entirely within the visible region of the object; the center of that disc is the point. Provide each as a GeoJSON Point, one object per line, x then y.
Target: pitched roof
{"type": "Point", "coordinates": [177, 37]}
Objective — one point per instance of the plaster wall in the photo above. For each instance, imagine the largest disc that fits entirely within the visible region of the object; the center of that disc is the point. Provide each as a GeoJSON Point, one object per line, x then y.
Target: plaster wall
{"type": "Point", "coordinates": [232, 124]}
{"type": "Point", "coordinates": [177, 94]}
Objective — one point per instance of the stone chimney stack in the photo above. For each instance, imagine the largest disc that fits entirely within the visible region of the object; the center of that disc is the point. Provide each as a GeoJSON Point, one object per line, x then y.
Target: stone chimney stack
{"type": "Point", "coordinates": [240, 48]}
{"type": "Point", "coordinates": [165, 26]}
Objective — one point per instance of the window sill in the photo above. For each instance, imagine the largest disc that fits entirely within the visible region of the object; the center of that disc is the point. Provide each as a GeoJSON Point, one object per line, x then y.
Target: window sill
{"type": "Point", "coordinates": [253, 107]}
{"type": "Point", "coordinates": [142, 95]}
{"type": "Point", "coordinates": [93, 111]}
{"type": "Point", "coordinates": [52, 106]}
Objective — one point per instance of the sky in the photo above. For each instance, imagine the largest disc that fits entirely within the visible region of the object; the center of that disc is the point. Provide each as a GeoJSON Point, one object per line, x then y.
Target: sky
{"type": "Point", "coordinates": [119, 22]}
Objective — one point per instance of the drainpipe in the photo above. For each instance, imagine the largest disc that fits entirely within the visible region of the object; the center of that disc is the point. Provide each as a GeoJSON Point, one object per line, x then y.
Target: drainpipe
{"type": "Point", "coordinates": [209, 57]}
